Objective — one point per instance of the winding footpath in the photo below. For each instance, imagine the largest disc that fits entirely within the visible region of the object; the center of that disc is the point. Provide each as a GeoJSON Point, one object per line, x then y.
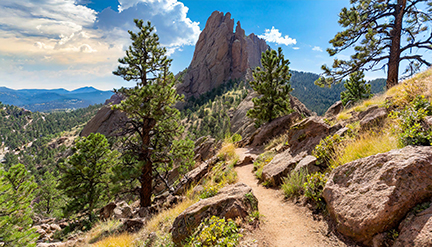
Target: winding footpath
{"type": "Point", "coordinates": [283, 223]}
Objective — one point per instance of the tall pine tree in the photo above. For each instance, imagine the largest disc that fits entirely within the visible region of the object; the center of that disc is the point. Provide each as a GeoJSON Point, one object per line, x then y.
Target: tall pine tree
{"type": "Point", "coordinates": [272, 83]}
{"type": "Point", "coordinates": [383, 33]}
{"type": "Point", "coordinates": [356, 89]}
{"type": "Point", "coordinates": [153, 123]}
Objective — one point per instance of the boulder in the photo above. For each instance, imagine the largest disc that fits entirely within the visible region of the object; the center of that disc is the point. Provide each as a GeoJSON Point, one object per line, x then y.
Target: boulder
{"type": "Point", "coordinates": [279, 167]}
{"type": "Point", "coordinates": [205, 148]}
{"type": "Point", "coordinates": [247, 159]}
{"type": "Point", "coordinates": [230, 202]}
{"type": "Point", "coordinates": [308, 163]}
{"type": "Point", "coordinates": [334, 110]}
{"type": "Point", "coordinates": [194, 176]}
{"type": "Point", "coordinates": [416, 229]}
{"type": "Point", "coordinates": [221, 55]}
{"type": "Point", "coordinates": [373, 194]}
{"type": "Point", "coordinates": [342, 132]}
{"type": "Point", "coordinates": [305, 135]}
{"type": "Point", "coordinates": [132, 225]}
{"type": "Point", "coordinates": [240, 123]}
{"type": "Point", "coordinates": [373, 118]}
{"type": "Point", "coordinates": [273, 129]}
{"type": "Point", "coordinates": [107, 211]}
{"type": "Point", "coordinates": [299, 107]}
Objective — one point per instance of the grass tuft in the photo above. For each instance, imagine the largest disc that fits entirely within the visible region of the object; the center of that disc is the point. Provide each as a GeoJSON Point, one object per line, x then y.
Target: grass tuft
{"type": "Point", "coordinates": [122, 240]}
{"type": "Point", "coordinates": [293, 184]}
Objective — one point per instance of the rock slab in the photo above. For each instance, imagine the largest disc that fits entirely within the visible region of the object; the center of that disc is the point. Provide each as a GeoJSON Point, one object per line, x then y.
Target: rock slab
{"type": "Point", "coordinates": [233, 201]}
{"type": "Point", "coordinates": [373, 194]}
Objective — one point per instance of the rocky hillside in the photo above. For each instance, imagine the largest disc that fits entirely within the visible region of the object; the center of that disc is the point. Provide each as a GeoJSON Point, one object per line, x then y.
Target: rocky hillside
{"type": "Point", "coordinates": [221, 55]}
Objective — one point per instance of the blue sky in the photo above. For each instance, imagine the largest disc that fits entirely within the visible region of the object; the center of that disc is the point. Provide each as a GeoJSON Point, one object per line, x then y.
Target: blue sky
{"type": "Point", "coordinates": [70, 44]}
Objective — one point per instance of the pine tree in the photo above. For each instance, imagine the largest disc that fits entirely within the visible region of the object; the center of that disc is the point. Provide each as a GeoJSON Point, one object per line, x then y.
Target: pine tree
{"type": "Point", "coordinates": [356, 89]}
{"type": "Point", "coordinates": [272, 83]}
{"type": "Point", "coordinates": [17, 190]}
{"type": "Point", "coordinates": [86, 175]}
{"type": "Point", "coordinates": [50, 198]}
{"type": "Point", "coordinates": [153, 123]}
{"type": "Point", "coordinates": [383, 33]}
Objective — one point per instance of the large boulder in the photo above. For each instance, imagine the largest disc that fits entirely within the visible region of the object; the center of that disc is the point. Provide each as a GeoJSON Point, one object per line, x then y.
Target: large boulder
{"type": "Point", "coordinates": [306, 134]}
{"type": "Point", "coordinates": [230, 202]}
{"type": "Point", "coordinates": [299, 107]}
{"type": "Point", "coordinates": [416, 229]}
{"type": "Point", "coordinates": [372, 117]}
{"type": "Point", "coordinates": [373, 194]}
{"type": "Point", "coordinates": [279, 167]}
{"type": "Point", "coordinates": [220, 55]}
{"type": "Point", "coordinates": [334, 110]}
{"type": "Point", "coordinates": [205, 148]}
{"type": "Point", "coordinates": [240, 123]}
{"type": "Point", "coordinates": [273, 129]}
{"type": "Point", "coordinates": [308, 163]}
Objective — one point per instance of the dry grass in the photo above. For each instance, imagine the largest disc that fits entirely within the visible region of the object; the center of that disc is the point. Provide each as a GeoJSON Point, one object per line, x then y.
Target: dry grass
{"type": "Point", "coordinates": [122, 240]}
{"type": "Point", "coordinates": [277, 142]}
{"type": "Point", "coordinates": [101, 230]}
{"type": "Point", "coordinates": [364, 145]}
{"type": "Point", "coordinates": [227, 152]}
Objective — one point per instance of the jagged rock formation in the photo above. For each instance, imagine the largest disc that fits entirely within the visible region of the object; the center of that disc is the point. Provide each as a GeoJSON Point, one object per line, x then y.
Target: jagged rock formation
{"type": "Point", "coordinates": [221, 55]}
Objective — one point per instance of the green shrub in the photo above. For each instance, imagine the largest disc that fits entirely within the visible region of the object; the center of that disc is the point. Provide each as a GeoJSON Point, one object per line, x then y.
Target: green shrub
{"type": "Point", "coordinates": [236, 138]}
{"type": "Point", "coordinates": [215, 232]}
{"type": "Point", "coordinates": [209, 192]}
{"type": "Point", "coordinates": [411, 122]}
{"type": "Point", "coordinates": [261, 161]}
{"type": "Point", "coordinates": [313, 188]}
{"type": "Point", "coordinates": [292, 185]}
{"type": "Point", "coordinates": [326, 149]}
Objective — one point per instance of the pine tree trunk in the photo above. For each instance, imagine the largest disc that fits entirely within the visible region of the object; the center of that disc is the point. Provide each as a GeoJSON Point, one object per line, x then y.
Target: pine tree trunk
{"type": "Point", "coordinates": [393, 65]}
{"type": "Point", "coordinates": [146, 178]}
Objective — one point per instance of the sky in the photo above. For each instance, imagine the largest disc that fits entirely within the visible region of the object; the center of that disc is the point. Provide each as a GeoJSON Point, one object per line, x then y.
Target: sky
{"type": "Point", "coordinates": [74, 43]}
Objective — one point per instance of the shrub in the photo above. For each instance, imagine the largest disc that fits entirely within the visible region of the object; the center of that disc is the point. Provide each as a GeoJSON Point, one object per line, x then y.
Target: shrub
{"type": "Point", "coordinates": [236, 138]}
{"type": "Point", "coordinates": [261, 161]}
{"type": "Point", "coordinates": [412, 129]}
{"type": "Point", "coordinates": [325, 150]}
{"type": "Point", "coordinates": [292, 185]}
{"type": "Point", "coordinates": [313, 188]}
{"type": "Point", "coordinates": [215, 232]}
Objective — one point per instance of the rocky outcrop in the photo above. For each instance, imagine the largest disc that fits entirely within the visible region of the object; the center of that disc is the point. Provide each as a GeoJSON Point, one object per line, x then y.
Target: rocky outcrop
{"type": "Point", "coordinates": [308, 163]}
{"type": "Point", "coordinates": [106, 121]}
{"type": "Point", "coordinates": [205, 148]}
{"type": "Point", "coordinates": [279, 167]}
{"type": "Point", "coordinates": [230, 202]}
{"type": "Point", "coordinates": [221, 55]}
{"type": "Point", "coordinates": [373, 194]}
{"type": "Point", "coordinates": [334, 110]}
{"type": "Point", "coordinates": [305, 135]}
{"type": "Point", "coordinates": [416, 229]}
{"type": "Point", "coordinates": [372, 117]}
{"type": "Point", "coordinates": [240, 123]}
{"type": "Point", "coordinates": [299, 107]}
{"type": "Point", "coordinates": [195, 175]}
{"type": "Point", "coordinates": [273, 129]}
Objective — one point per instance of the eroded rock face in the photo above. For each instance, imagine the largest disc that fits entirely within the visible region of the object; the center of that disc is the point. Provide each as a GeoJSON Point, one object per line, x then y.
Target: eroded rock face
{"type": "Point", "coordinates": [106, 121]}
{"type": "Point", "coordinates": [205, 147]}
{"type": "Point", "coordinates": [372, 195]}
{"type": "Point", "coordinates": [373, 117]}
{"type": "Point", "coordinates": [416, 229]}
{"type": "Point", "coordinates": [240, 123]}
{"type": "Point", "coordinates": [221, 55]}
{"type": "Point", "coordinates": [334, 109]}
{"type": "Point", "coordinates": [230, 202]}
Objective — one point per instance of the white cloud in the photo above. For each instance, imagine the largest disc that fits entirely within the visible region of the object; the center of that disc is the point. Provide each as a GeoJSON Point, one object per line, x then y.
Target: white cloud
{"type": "Point", "coordinates": [317, 48]}
{"type": "Point", "coordinates": [273, 35]}
{"type": "Point", "coordinates": [296, 48]}
{"type": "Point", "coordinates": [77, 39]}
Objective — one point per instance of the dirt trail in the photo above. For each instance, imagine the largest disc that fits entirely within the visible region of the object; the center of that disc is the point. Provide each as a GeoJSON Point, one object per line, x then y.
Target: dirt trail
{"type": "Point", "coordinates": [284, 223]}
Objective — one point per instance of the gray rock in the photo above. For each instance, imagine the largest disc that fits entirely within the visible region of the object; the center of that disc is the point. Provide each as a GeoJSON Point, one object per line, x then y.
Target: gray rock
{"type": "Point", "coordinates": [308, 163]}
{"type": "Point", "coordinates": [279, 167]}
{"type": "Point", "coordinates": [334, 110]}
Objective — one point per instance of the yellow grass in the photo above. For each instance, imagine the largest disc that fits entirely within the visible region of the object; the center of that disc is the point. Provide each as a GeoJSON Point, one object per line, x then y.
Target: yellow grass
{"type": "Point", "coordinates": [277, 142]}
{"type": "Point", "coordinates": [101, 230]}
{"type": "Point", "coordinates": [366, 144]}
{"type": "Point", "coordinates": [164, 220]}
{"type": "Point", "coordinates": [123, 240]}
{"type": "Point", "coordinates": [227, 151]}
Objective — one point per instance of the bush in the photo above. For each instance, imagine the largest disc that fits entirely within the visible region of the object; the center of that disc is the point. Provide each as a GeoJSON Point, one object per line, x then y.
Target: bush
{"type": "Point", "coordinates": [293, 184]}
{"type": "Point", "coordinates": [215, 232]}
{"type": "Point", "coordinates": [261, 161]}
{"type": "Point", "coordinates": [413, 130]}
{"type": "Point", "coordinates": [313, 188]}
{"type": "Point", "coordinates": [325, 150]}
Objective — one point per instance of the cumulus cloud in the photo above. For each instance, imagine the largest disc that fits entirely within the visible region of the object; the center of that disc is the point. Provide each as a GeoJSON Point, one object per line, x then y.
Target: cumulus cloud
{"type": "Point", "coordinates": [273, 35]}
{"type": "Point", "coordinates": [48, 32]}
{"type": "Point", "coordinates": [317, 48]}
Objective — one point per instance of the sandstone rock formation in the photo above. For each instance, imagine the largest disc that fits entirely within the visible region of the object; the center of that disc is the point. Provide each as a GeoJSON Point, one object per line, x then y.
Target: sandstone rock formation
{"type": "Point", "coordinates": [372, 195]}
{"type": "Point", "coordinates": [230, 202]}
{"type": "Point", "coordinates": [308, 163]}
{"type": "Point", "coordinates": [106, 121]}
{"type": "Point", "coordinates": [373, 117]}
{"type": "Point", "coordinates": [334, 109]}
{"type": "Point", "coordinates": [205, 148]}
{"type": "Point", "coordinates": [221, 55]}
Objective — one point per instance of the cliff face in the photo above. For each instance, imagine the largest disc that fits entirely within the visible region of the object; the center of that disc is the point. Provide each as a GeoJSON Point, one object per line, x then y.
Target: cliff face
{"type": "Point", "coordinates": [220, 55]}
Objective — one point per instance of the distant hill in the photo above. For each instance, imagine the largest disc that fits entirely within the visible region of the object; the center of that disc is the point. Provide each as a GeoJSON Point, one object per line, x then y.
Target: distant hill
{"type": "Point", "coordinates": [320, 99]}
{"type": "Point", "coordinates": [45, 100]}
